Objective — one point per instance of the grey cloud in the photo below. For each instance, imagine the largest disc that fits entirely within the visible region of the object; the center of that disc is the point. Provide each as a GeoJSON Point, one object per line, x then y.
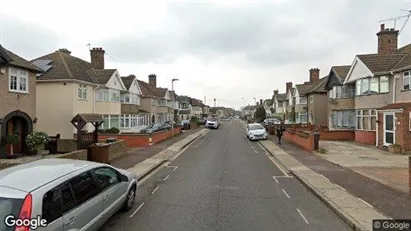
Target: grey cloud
{"type": "Point", "coordinates": [23, 37]}
{"type": "Point", "coordinates": [265, 34]}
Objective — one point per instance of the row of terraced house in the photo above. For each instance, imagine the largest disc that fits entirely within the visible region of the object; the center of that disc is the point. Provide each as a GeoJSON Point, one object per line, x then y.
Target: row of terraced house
{"type": "Point", "coordinates": [371, 97]}
{"type": "Point", "coordinates": [44, 94]}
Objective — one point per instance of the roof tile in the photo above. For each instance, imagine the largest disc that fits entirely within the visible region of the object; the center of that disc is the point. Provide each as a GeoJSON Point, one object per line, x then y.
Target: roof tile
{"type": "Point", "coordinates": [9, 58]}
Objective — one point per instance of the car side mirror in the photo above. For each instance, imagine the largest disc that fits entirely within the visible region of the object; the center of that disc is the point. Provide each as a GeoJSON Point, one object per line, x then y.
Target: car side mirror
{"type": "Point", "coordinates": [123, 178]}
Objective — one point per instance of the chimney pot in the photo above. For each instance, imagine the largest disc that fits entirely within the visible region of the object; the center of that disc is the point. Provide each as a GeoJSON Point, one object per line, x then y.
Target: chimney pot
{"type": "Point", "coordinates": [314, 75]}
{"type": "Point", "coordinates": [387, 40]}
{"type": "Point", "coordinates": [382, 27]}
{"type": "Point", "coordinates": [97, 58]}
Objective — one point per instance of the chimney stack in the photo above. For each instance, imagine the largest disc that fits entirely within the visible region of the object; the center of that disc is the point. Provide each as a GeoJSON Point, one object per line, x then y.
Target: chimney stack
{"type": "Point", "coordinates": [97, 58]}
{"type": "Point", "coordinates": [152, 80]}
{"type": "Point", "coordinates": [387, 40]}
{"type": "Point", "coordinates": [275, 92]}
{"type": "Point", "coordinates": [288, 86]}
{"type": "Point", "coordinates": [261, 101]}
{"type": "Point", "coordinates": [65, 51]}
{"type": "Point", "coordinates": [314, 75]}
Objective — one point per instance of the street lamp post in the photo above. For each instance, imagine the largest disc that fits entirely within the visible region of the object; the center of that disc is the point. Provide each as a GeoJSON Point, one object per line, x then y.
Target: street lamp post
{"type": "Point", "coordinates": [173, 102]}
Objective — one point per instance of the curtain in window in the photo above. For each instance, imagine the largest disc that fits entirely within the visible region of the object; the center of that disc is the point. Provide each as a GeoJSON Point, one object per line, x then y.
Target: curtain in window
{"type": "Point", "coordinates": [374, 88]}
{"type": "Point", "coordinates": [384, 84]}
{"type": "Point", "coordinates": [358, 87]}
{"type": "Point", "coordinates": [365, 86]}
{"type": "Point", "coordinates": [114, 121]}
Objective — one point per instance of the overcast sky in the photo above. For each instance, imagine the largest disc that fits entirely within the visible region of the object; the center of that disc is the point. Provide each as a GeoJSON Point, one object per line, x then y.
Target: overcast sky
{"type": "Point", "coordinates": [225, 50]}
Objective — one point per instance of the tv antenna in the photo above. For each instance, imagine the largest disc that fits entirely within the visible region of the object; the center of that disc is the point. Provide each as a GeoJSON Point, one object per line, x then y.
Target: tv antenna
{"type": "Point", "coordinates": [89, 47]}
{"type": "Point", "coordinates": [395, 19]}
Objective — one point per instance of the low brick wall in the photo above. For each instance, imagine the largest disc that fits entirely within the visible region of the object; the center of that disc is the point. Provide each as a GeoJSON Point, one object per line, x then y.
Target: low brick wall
{"type": "Point", "coordinates": [365, 137]}
{"type": "Point", "coordinates": [300, 138]}
{"type": "Point", "coordinates": [337, 135]}
{"type": "Point", "coordinates": [117, 149]}
{"type": "Point", "coordinates": [76, 155]}
{"type": "Point", "coordinates": [136, 140]}
{"type": "Point", "coordinates": [66, 145]}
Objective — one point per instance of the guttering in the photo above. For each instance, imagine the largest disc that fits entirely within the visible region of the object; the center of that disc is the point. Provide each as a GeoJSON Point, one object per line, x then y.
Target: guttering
{"type": "Point", "coordinates": [66, 80]}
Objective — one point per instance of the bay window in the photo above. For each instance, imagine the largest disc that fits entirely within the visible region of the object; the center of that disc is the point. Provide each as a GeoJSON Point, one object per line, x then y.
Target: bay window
{"type": "Point", "coordinates": [330, 94]}
{"type": "Point", "coordinates": [135, 99]}
{"type": "Point", "coordinates": [114, 121]}
{"type": "Point", "coordinates": [103, 94]}
{"type": "Point", "coordinates": [367, 119]}
{"type": "Point", "coordinates": [407, 80]}
{"type": "Point", "coordinates": [337, 92]}
{"type": "Point", "coordinates": [303, 117]}
{"type": "Point", "coordinates": [18, 80]}
{"type": "Point", "coordinates": [114, 95]}
{"type": "Point", "coordinates": [343, 119]}
{"type": "Point", "coordinates": [373, 85]}
{"type": "Point", "coordinates": [125, 98]}
{"type": "Point", "coordinates": [303, 100]}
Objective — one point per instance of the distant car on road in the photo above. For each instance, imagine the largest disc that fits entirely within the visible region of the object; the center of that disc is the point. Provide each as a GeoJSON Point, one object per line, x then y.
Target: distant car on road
{"type": "Point", "coordinates": [68, 194]}
{"type": "Point", "coordinates": [271, 121]}
{"type": "Point", "coordinates": [256, 131]}
{"type": "Point", "coordinates": [212, 122]}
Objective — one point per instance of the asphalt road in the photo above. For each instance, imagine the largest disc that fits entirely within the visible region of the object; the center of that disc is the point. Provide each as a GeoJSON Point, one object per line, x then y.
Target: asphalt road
{"type": "Point", "coordinates": [224, 182]}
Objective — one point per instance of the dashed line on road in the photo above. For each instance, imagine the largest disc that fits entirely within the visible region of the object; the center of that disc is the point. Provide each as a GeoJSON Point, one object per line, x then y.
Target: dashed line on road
{"type": "Point", "coordinates": [155, 190]}
{"type": "Point", "coordinates": [286, 194]}
{"type": "Point", "coordinates": [276, 179]}
{"type": "Point", "coordinates": [365, 202]}
{"type": "Point", "coordinates": [302, 215]}
{"type": "Point", "coordinates": [175, 167]}
{"type": "Point", "coordinates": [138, 208]}
{"type": "Point", "coordinates": [166, 177]}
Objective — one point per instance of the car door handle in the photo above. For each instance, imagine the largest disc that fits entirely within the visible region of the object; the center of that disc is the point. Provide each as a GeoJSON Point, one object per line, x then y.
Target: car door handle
{"type": "Point", "coordinates": [71, 220]}
{"type": "Point", "coordinates": [105, 198]}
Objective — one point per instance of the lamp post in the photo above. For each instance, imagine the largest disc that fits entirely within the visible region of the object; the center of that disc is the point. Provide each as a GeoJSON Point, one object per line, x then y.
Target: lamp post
{"type": "Point", "coordinates": [173, 102]}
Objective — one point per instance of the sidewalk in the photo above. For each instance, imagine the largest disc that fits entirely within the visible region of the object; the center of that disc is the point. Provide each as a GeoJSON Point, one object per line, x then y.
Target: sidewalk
{"type": "Point", "coordinates": [137, 155]}
{"type": "Point", "coordinates": [391, 202]}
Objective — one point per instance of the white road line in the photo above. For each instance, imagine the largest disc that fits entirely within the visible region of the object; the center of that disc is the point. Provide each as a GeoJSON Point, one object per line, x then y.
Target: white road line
{"type": "Point", "coordinates": [139, 207]}
{"type": "Point", "coordinates": [278, 166]}
{"type": "Point", "coordinates": [155, 190]}
{"type": "Point", "coordinates": [255, 151]}
{"type": "Point", "coordinates": [166, 177]}
{"type": "Point", "coordinates": [275, 179]}
{"type": "Point", "coordinates": [175, 167]}
{"type": "Point", "coordinates": [286, 194]}
{"type": "Point", "coordinates": [302, 215]}
{"type": "Point", "coordinates": [341, 187]}
{"type": "Point", "coordinates": [365, 202]}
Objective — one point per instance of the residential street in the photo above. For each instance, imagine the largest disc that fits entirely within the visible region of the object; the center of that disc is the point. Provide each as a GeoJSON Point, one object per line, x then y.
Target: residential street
{"type": "Point", "coordinates": [224, 182]}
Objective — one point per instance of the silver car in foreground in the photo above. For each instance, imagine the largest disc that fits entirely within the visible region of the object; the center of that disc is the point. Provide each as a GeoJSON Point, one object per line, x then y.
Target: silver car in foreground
{"type": "Point", "coordinates": [256, 131]}
{"type": "Point", "coordinates": [63, 194]}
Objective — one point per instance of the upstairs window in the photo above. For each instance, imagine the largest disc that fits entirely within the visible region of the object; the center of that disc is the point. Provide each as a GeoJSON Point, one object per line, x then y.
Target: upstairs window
{"type": "Point", "coordinates": [82, 91]}
{"type": "Point", "coordinates": [407, 80]}
{"type": "Point", "coordinates": [373, 85]}
{"type": "Point", "coordinates": [18, 81]}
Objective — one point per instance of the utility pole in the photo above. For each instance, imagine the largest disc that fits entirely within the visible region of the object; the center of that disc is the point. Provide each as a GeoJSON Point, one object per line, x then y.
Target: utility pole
{"type": "Point", "coordinates": [215, 102]}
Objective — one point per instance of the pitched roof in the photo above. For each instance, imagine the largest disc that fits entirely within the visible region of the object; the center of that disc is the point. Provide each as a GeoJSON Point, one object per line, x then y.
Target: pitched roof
{"type": "Point", "coordinates": [282, 97]}
{"type": "Point", "coordinates": [341, 71]}
{"type": "Point", "coordinates": [403, 64]}
{"type": "Point", "coordinates": [380, 64]}
{"type": "Point", "coordinates": [268, 101]}
{"type": "Point", "coordinates": [196, 103]}
{"type": "Point", "coordinates": [404, 49]}
{"type": "Point", "coordinates": [159, 92]}
{"type": "Point", "coordinates": [319, 87]}
{"type": "Point", "coordinates": [146, 89]}
{"type": "Point", "coordinates": [403, 105]}
{"type": "Point", "coordinates": [9, 58]}
{"type": "Point", "coordinates": [303, 88]}
{"type": "Point", "coordinates": [128, 80]}
{"type": "Point", "coordinates": [62, 65]}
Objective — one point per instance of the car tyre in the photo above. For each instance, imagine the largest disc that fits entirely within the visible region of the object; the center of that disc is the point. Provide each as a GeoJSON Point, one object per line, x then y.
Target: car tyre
{"type": "Point", "coordinates": [131, 196]}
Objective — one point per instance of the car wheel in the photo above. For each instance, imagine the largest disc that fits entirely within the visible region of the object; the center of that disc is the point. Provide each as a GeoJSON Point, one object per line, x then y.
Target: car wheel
{"type": "Point", "coordinates": [131, 196]}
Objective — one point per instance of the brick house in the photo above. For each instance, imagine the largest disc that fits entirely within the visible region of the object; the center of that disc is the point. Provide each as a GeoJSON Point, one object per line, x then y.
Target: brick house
{"type": "Point", "coordinates": [184, 107]}
{"type": "Point", "coordinates": [18, 99]}
{"type": "Point", "coordinates": [70, 85]}
{"type": "Point", "coordinates": [316, 103]}
{"type": "Point", "coordinates": [380, 80]}
{"type": "Point", "coordinates": [341, 99]}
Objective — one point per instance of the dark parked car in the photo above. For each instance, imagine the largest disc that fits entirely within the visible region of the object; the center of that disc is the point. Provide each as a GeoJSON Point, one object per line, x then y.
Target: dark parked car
{"type": "Point", "coordinates": [154, 128]}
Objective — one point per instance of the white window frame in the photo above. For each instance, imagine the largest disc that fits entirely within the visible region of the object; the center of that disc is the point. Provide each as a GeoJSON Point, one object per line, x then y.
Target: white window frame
{"type": "Point", "coordinates": [330, 93]}
{"type": "Point", "coordinates": [103, 95]}
{"type": "Point", "coordinates": [406, 77]}
{"type": "Point", "coordinates": [82, 92]}
{"type": "Point", "coordinates": [303, 114]}
{"type": "Point", "coordinates": [311, 98]}
{"type": "Point", "coordinates": [409, 121]}
{"type": "Point", "coordinates": [303, 100]}
{"type": "Point", "coordinates": [19, 75]}
{"type": "Point", "coordinates": [343, 119]}
{"type": "Point", "coordinates": [125, 98]}
{"type": "Point", "coordinates": [114, 93]}
{"type": "Point", "coordinates": [369, 116]}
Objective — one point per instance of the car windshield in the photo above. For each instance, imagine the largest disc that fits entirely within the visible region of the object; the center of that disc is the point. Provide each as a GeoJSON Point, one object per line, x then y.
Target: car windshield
{"type": "Point", "coordinates": [213, 119]}
{"type": "Point", "coordinates": [8, 206]}
{"type": "Point", "coordinates": [255, 127]}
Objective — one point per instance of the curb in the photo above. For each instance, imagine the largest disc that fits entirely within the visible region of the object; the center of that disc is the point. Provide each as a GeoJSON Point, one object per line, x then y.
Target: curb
{"type": "Point", "coordinates": [163, 161]}
{"type": "Point", "coordinates": [349, 220]}
{"type": "Point", "coordinates": [343, 215]}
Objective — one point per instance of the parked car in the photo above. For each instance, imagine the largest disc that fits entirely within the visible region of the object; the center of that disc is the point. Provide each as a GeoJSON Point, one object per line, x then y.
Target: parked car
{"type": "Point", "coordinates": [185, 124]}
{"type": "Point", "coordinates": [271, 121]}
{"type": "Point", "coordinates": [69, 194]}
{"type": "Point", "coordinates": [256, 131]}
{"type": "Point", "coordinates": [202, 121]}
{"type": "Point", "coordinates": [154, 128]}
{"type": "Point", "coordinates": [212, 122]}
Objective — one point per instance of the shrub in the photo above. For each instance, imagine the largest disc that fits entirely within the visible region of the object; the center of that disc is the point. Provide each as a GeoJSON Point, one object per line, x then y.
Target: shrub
{"type": "Point", "coordinates": [36, 139]}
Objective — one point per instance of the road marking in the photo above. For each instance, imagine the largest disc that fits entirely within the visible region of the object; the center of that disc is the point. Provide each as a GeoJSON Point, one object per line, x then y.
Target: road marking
{"type": "Point", "coordinates": [255, 151]}
{"type": "Point", "coordinates": [341, 187]}
{"type": "Point", "coordinates": [166, 177]}
{"type": "Point", "coordinates": [286, 193]}
{"type": "Point", "coordinates": [175, 167]}
{"type": "Point", "coordinates": [139, 207]}
{"type": "Point", "coordinates": [302, 215]}
{"type": "Point", "coordinates": [279, 166]}
{"type": "Point", "coordinates": [365, 202]}
{"type": "Point", "coordinates": [276, 179]}
{"type": "Point", "coordinates": [155, 190]}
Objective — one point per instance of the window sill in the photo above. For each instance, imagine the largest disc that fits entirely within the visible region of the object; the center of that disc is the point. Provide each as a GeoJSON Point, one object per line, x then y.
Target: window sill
{"type": "Point", "coordinates": [385, 93]}
{"type": "Point", "coordinates": [19, 92]}
{"type": "Point", "coordinates": [82, 99]}
{"type": "Point", "coordinates": [405, 90]}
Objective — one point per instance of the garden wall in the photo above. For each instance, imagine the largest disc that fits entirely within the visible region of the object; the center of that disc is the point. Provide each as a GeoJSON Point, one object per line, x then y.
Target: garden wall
{"type": "Point", "coordinates": [302, 139]}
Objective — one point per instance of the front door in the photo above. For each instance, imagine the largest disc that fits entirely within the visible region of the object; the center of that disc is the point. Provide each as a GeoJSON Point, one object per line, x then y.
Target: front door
{"type": "Point", "coordinates": [15, 126]}
{"type": "Point", "coordinates": [389, 128]}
